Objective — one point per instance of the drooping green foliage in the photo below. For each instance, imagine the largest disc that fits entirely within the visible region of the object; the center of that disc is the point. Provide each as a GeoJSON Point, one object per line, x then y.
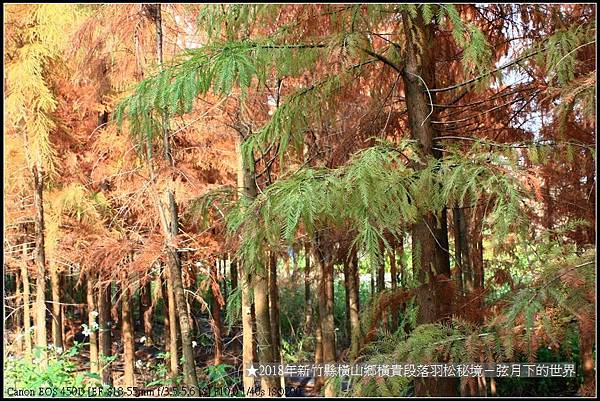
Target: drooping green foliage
{"type": "Point", "coordinates": [378, 192]}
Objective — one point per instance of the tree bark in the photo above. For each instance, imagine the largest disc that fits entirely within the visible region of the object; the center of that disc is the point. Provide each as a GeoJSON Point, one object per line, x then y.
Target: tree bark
{"type": "Point", "coordinates": [127, 327]}
{"type": "Point", "coordinates": [459, 248]}
{"type": "Point", "coordinates": [247, 188]}
{"type": "Point", "coordinates": [173, 327]}
{"type": "Point", "coordinates": [430, 240]}
{"type": "Point", "coordinates": [274, 306]}
{"type": "Point", "coordinates": [394, 284]}
{"type": "Point", "coordinates": [263, 326]}
{"type": "Point", "coordinates": [170, 225]}
{"type": "Point", "coordinates": [104, 334]}
{"type": "Point", "coordinates": [308, 305]}
{"type": "Point", "coordinates": [146, 311]}
{"type": "Point", "coordinates": [353, 300]}
{"type": "Point", "coordinates": [325, 265]}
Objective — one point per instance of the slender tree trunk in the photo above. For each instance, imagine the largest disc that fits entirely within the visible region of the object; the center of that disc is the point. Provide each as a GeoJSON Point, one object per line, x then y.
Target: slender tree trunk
{"type": "Point", "coordinates": [146, 311]}
{"type": "Point", "coordinates": [104, 333]}
{"type": "Point", "coordinates": [274, 306]}
{"type": "Point", "coordinates": [216, 317]}
{"type": "Point", "coordinates": [233, 274]}
{"type": "Point", "coordinates": [247, 187]}
{"type": "Point", "coordinates": [57, 333]}
{"type": "Point", "coordinates": [430, 239]}
{"type": "Point", "coordinates": [459, 241]}
{"type": "Point", "coordinates": [353, 293]}
{"type": "Point", "coordinates": [318, 328]}
{"type": "Point", "coordinates": [40, 259]}
{"type": "Point", "coordinates": [127, 327]}
{"type": "Point", "coordinates": [347, 285]}
{"type": "Point", "coordinates": [114, 310]}
{"type": "Point", "coordinates": [403, 271]}
{"type": "Point", "coordinates": [263, 326]}
{"type": "Point", "coordinates": [326, 311]}
{"type": "Point", "coordinates": [17, 318]}
{"type": "Point", "coordinates": [394, 284]}
{"type": "Point", "coordinates": [168, 212]}
{"type": "Point", "coordinates": [308, 305]}
{"type": "Point", "coordinates": [26, 305]}
{"type": "Point", "coordinates": [91, 307]}
{"type": "Point", "coordinates": [381, 270]}
{"type": "Point", "coordinates": [172, 326]}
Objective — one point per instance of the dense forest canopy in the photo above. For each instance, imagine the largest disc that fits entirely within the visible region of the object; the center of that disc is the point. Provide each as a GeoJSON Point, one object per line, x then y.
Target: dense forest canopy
{"type": "Point", "coordinates": [193, 189]}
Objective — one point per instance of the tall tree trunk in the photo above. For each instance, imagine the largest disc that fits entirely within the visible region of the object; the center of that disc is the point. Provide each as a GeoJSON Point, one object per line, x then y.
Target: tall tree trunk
{"type": "Point", "coordinates": [263, 326]}
{"type": "Point", "coordinates": [354, 308]}
{"type": "Point", "coordinates": [26, 305]}
{"type": "Point", "coordinates": [57, 327]}
{"type": "Point", "coordinates": [170, 225]}
{"type": "Point", "coordinates": [326, 310]}
{"type": "Point", "coordinates": [274, 306]}
{"type": "Point", "coordinates": [91, 308]}
{"type": "Point", "coordinates": [127, 327]}
{"type": "Point", "coordinates": [247, 188]}
{"type": "Point", "coordinates": [40, 260]}
{"type": "Point", "coordinates": [430, 240]}
{"type": "Point", "coordinates": [104, 333]}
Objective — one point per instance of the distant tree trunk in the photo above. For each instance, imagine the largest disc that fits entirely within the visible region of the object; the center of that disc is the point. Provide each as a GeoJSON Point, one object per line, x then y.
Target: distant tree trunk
{"type": "Point", "coordinates": [353, 300]}
{"type": "Point", "coordinates": [403, 270]}
{"type": "Point", "coordinates": [40, 259]}
{"type": "Point", "coordinates": [216, 316]}
{"type": "Point", "coordinates": [274, 306]}
{"type": "Point", "coordinates": [381, 270]}
{"type": "Point", "coordinates": [233, 274]}
{"type": "Point", "coordinates": [17, 318]}
{"type": "Point", "coordinates": [394, 284]}
{"type": "Point", "coordinates": [347, 299]}
{"type": "Point", "coordinates": [26, 305]}
{"type": "Point", "coordinates": [430, 238]}
{"type": "Point", "coordinates": [57, 327]}
{"type": "Point", "coordinates": [91, 307]}
{"type": "Point", "coordinates": [127, 327]}
{"type": "Point", "coordinates": [146, 311]}
{"type": "Point", "coordinates": [114, 310]}
{"type": "Point", "coordinates": [104, 333]}
{"type": "Point", "coordinates": [460, 248]}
